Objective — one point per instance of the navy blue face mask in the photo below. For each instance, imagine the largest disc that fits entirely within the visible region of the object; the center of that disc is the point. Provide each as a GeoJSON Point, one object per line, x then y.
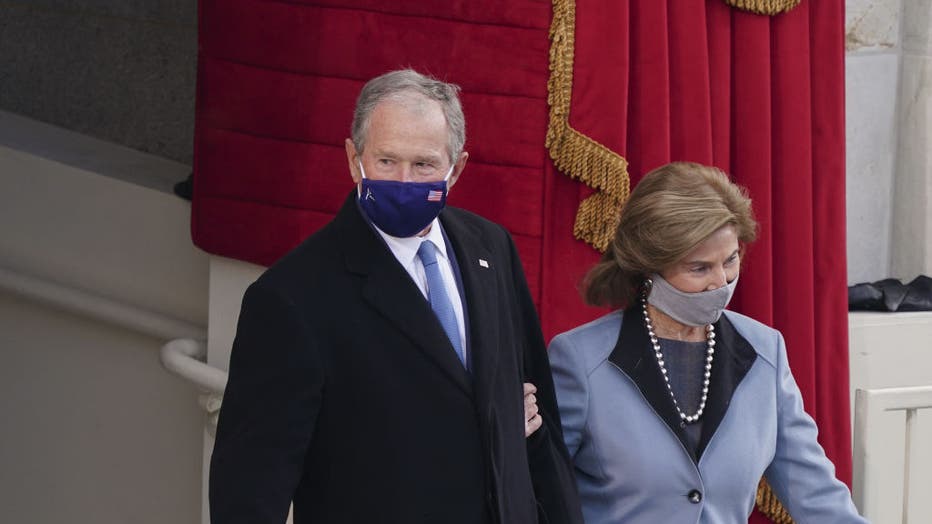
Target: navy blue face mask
{"type": "Point", "coordinates": [402, 209]}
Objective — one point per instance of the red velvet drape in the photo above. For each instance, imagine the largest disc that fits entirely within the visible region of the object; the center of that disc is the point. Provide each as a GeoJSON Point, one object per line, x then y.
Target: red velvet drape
{"type": "Point", "coordinates": [276, 86]}
{"type": "Point", "coordinates": [654, 80]}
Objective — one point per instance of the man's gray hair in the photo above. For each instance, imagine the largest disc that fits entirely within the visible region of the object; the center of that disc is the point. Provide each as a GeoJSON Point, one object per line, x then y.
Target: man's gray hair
{"type": "Point", "coordinates": [405, 81]}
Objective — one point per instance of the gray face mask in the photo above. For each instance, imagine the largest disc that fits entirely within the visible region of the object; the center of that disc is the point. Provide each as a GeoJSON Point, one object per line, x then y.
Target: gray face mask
{"type": "Point", "coordinates": [692, 309]}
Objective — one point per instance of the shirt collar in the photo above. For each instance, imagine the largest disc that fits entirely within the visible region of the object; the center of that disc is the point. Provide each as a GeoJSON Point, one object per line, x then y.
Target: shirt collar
{"type": "Point", "coordinates": [406, 247]}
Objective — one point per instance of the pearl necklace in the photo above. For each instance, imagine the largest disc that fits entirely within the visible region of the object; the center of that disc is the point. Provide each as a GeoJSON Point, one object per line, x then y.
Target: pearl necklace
{"type": "Point", "coordinates": [710, 337]}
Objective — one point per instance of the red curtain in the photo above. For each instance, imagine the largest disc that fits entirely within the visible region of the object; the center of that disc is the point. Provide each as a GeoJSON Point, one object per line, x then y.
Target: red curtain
{"type": "Point", "coordinates": [760, 97]}
{"type": "Point", "coordinates": [277, 82]}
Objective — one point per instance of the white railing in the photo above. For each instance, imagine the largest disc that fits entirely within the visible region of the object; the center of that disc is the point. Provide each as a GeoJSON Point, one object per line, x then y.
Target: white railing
{"type": "Point", "coordinates": [183, 354]}
{"type": "Point", "coordinates": [107, 310]}
{"type": "Point", "coordinates": [185, 357]}
{"type": "Point", "coordinates": [869, 406]}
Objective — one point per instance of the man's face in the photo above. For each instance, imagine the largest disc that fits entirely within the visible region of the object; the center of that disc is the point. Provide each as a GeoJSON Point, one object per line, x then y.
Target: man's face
{"type": "Point", "coordinates": [406, 142]}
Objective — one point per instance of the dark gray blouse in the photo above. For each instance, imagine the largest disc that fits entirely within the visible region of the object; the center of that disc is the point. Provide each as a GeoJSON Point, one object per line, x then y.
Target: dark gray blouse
{"type": "Point", "coordinates": [685, 363]}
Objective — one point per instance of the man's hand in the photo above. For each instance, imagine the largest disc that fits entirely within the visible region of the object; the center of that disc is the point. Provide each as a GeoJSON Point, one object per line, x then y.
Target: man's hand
{"type": "Point", "coordinates": [532, 420]}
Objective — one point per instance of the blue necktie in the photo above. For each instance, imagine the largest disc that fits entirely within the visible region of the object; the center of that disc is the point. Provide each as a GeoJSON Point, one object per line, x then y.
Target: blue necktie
{"type": "Point", "coordinates": [437, 295]}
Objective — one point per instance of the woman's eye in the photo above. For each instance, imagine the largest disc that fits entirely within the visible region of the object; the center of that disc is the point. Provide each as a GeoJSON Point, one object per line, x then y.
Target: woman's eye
{"type": "Point", "coordinates": [732, 260]}
{"type": "Point", "coordinates": [697, 269]}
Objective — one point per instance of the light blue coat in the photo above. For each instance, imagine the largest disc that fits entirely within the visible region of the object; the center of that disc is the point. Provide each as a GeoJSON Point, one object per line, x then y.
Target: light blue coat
{"type": "Point", "coordinates": [627, 442]}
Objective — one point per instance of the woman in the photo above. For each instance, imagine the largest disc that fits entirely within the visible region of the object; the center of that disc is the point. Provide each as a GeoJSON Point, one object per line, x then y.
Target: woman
{"type": "Point", "coordinates": [674, 408]}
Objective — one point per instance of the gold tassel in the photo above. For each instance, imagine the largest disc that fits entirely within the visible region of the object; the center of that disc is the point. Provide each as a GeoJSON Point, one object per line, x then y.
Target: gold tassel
{"type": "Point", "coordinates": [764, 7]}
{"type": "Point", "coordinates": [770, 506]}
{"type": "Point", "coordinates": [592, 222]}
{"type": "Point", "coordinates": [575, 154]}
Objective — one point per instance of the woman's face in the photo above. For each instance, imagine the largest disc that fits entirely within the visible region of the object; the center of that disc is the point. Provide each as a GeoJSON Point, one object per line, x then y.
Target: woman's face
{"type": "Point", "coordinates": [711, 265]}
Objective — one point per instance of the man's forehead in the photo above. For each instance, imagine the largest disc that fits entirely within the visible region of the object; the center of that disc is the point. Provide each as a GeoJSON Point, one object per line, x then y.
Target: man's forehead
{"type": "Point", "coordinates": [390, 151]}
{"type": "Point", "coordinates": [410, 101]}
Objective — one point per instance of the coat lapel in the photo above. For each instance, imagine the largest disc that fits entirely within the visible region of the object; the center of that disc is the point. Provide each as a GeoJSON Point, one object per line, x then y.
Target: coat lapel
{"type": "Point", "coordinates": [734, 357]}
{"type": "Point", "coordinates": [480, 297]}
{"type": "Point", "coordinates": [634, 355]}
{"type": "Point", "coordinates": [390, 291]}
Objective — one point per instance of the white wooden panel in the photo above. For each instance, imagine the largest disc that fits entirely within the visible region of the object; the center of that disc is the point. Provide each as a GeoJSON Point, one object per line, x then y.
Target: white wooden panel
{"type": "Point", "coordinates": [878, 494]}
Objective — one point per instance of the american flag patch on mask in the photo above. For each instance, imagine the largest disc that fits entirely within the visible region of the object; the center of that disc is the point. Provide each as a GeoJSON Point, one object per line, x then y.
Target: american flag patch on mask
{"type": "Point", "coordinates": [434, 195]}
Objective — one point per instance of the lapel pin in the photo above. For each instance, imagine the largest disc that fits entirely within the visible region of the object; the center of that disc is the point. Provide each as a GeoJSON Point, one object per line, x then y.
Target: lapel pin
{"type": "Point", "coordinates": [483, 263]}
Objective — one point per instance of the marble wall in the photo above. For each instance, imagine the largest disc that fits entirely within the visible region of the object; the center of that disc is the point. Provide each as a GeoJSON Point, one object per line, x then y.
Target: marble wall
{"type": "Point", "coordinates": [912, 210]}
{"type": "Point", "coordinates": [889, 118]}
{"type": "Point", "coordinates": [871, 83]}
{"type": "Point", "coordinates": [120, 70]}
{"type": "Point", "coordinates": [94, 429]}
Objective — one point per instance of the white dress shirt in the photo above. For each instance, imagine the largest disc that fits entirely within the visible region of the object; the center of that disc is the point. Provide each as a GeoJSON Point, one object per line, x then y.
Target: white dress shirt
{"type": "Point", "coordinates": [405, 250]}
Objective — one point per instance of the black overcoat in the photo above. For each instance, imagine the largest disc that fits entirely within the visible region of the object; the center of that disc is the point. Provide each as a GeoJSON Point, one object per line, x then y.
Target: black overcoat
{"type": "Point", "coordinates": [346, 396]}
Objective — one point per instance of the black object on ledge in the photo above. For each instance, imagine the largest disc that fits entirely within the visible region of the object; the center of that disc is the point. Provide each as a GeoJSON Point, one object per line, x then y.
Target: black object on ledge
{"type": "Point", "coordinates": [185, 188]}
{"type": "Point", "coordinates": [890, 294]}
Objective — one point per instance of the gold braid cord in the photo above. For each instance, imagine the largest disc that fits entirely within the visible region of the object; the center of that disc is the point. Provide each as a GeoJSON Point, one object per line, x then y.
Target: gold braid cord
{"type": "Point", "coordinates": [768, 504]}
{"type": "Point", "coordinates": [764, 7]}
{"type": "Point", "coordinates": [575, 154]}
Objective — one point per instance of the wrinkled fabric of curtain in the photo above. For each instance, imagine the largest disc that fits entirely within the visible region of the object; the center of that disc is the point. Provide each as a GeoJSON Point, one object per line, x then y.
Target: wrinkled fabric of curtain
{"type": "Point", "coordinates": [655, 81]}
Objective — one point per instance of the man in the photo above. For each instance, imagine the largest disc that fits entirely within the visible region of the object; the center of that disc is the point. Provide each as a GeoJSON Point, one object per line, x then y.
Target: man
{"type": "Point", "coordinates": [377, 370]}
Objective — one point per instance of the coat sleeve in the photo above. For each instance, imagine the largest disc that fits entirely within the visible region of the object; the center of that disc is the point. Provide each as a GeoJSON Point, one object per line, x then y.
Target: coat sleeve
{"type": "Point", "coordinates": [571, 383]}
{"type": "Point", "coordinates": [550, 466]}
{"type": "Point", "coordinates": [268, 413]}
{"type": "Point", "coordinates": [800, 473]}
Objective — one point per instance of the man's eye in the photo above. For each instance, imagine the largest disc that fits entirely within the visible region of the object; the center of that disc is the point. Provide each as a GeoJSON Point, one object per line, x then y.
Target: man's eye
{"type": "Point", "coordinates": [385, 161]}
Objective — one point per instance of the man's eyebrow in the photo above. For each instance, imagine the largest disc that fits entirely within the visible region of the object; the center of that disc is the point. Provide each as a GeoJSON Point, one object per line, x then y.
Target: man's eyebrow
{"type": "Point", "coordinates": [428, 158]}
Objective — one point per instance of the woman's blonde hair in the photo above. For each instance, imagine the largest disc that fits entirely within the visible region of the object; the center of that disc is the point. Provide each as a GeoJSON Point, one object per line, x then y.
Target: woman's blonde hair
{"type": "Point", "coordinates": [673, 209]}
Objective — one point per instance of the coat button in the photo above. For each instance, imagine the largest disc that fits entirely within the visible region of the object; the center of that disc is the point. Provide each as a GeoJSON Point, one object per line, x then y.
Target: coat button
{"type": "Point", "coordinates": [695, 496]}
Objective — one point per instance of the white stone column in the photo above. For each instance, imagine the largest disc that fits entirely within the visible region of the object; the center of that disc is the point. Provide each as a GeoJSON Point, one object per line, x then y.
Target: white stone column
{"type": "Point", "coordinates": [912, 203]}
{"type": "Point", "coordinates": [872, 70]}
{"type": "Point", "coordinates": [228, 282]}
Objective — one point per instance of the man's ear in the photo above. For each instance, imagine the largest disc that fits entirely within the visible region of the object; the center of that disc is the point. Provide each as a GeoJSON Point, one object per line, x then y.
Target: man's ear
{"type": "Point", "coordinates": [458, 169]}
{"type": "Point", "coordinates": [352, 158]}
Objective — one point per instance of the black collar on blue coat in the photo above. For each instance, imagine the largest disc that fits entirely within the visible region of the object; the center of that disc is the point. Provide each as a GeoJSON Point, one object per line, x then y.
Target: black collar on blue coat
{"type": "Point", "coordinates": [634, 355]}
